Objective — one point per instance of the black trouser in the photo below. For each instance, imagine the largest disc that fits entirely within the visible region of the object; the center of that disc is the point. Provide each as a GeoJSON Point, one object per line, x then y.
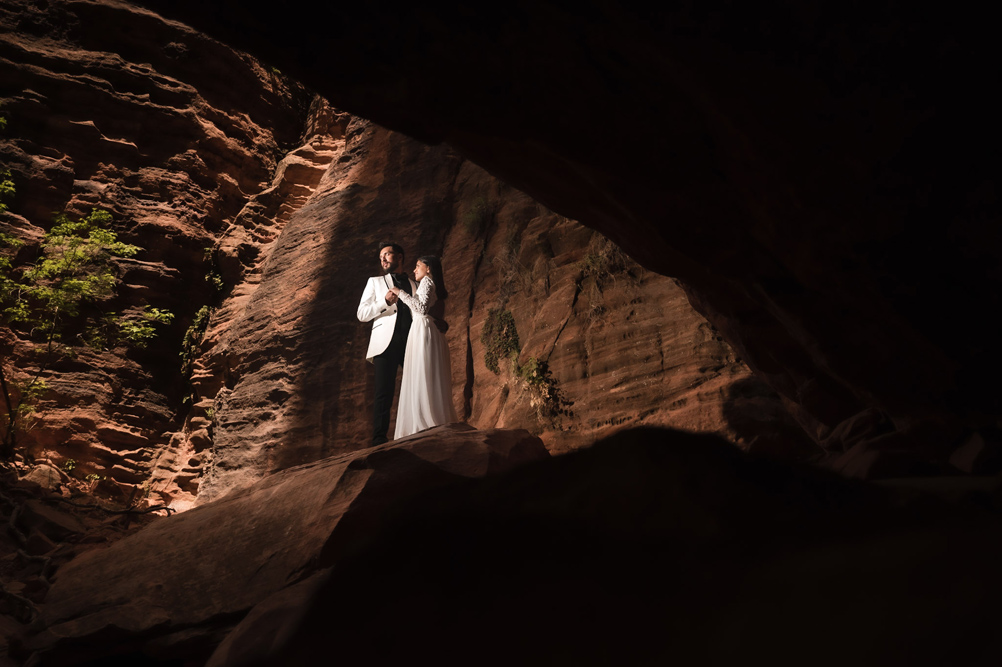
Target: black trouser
{"type": "Point", "coordinates": [386, 365]}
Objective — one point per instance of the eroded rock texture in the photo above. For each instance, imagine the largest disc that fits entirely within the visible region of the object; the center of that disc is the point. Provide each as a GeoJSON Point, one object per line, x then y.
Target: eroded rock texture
{"type": "Point", "coordinates": [594, 343]}
{"type": "Point", "coordinates": [199, 152]}
{"type": "Point", "coordinates": [822, 179]}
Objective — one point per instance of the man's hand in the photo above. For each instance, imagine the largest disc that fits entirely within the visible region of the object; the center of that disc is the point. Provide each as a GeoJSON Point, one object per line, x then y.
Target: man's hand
{"type": "Point", "coordinates": [391, 298]}
{"type": "Point", "coordinates": [442, 325]}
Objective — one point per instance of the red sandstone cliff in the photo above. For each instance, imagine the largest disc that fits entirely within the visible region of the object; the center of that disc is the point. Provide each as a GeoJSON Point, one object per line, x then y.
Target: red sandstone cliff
{"type": "Point", "coordinates": [187, 143]}
{"type": "Point", "coordinates": [283, 372]}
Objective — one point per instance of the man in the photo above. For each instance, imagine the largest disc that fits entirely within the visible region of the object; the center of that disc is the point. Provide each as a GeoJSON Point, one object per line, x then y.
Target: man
{"type": "Point", "coordinates": [391, 322]}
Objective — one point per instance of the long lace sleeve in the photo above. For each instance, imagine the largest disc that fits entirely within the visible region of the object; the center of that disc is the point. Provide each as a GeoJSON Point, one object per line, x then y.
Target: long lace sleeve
{"type": "Point", "coordinates": [422, 300]}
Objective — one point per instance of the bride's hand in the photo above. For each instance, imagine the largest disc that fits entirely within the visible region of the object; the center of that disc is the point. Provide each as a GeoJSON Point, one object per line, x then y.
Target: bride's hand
{"type": "Point", "coordinates": [395, 290]}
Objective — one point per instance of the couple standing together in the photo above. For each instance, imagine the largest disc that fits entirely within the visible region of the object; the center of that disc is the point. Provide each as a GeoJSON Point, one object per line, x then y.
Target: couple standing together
{"type": "Point", "coordinates": [407, 326]}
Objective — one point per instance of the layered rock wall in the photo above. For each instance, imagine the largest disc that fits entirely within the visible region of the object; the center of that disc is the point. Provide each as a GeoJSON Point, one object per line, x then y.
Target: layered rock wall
{"type": "Point", "coordinates": [601, 343]}
{"type": "Point", "coordinates": [187, 143]}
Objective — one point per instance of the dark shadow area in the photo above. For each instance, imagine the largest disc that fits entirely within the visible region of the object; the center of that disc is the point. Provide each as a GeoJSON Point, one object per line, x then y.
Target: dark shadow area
{"type": "Point", "coordinates": [754, 411]}
{"type": "Point", "coordinates": [657, 546]}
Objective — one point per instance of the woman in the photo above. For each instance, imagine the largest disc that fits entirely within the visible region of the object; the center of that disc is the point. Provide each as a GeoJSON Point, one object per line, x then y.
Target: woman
{"type": "Point", "coordinates": [426, 386]}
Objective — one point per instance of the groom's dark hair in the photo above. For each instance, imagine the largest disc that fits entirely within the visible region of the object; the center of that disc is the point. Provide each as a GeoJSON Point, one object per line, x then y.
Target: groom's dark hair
{"type": "Point", "coordinates": [396, 247]}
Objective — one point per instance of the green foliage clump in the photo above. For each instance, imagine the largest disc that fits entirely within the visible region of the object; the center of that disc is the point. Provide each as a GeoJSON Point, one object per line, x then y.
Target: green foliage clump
{"type": "Point", "coordinates": [545, 395]}
{"type": "Point", "coordinates": [73, 274]}
{"type": "Point", "coordinates": [75, 268]}
{"type": "Point", "coordinates": [20, 404]}
{"type": "Point", "coordinates": [212, 276]}
{"type": "Point", "coordinates": [499, 338]}
{"type": "Point", "coordinates": [215, 281]}
{"type": "Point", "coordinates": [193, 338]}
{"type": "Point", "coordinates": [6, 189]}
{"type": "Point", "coordinates": [136, 329]}
{"type": "Point", "coordinates": [8, 286]}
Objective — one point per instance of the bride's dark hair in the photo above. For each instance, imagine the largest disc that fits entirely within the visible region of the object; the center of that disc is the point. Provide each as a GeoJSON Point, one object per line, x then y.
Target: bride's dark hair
{"type": "Point", "coordinates": [435, 264]}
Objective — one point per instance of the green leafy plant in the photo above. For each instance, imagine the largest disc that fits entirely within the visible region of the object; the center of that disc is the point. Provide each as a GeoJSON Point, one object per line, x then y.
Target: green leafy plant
{"type": "Point", "coordinates": [545, 395]}
{"type": "Point", "coordinates": [69, 465]}
{"type": "Point", "coordinates": [212, 275]}
{"type": "Point", "coordinates": [139, 329]}
{"type": "Point", "coordinates": [193, 338]}
{"type": "Point", "coordinates": [499, 337]}
{"type": "Point", "coordinates": [215, 281]}
{"type": "Point", "coordinates": [500, 340]}
{"type": "Point", "coordinates": [62, 292]}
{"type": "Point", "coordinates": [6, 189]}
{"type": "Point", "coordinates": [75, 268]}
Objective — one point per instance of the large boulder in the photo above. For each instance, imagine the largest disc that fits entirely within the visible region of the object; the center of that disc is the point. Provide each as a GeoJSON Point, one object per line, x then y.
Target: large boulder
{"type": "Point", "coordinates": [174, 589]}
{"type": "Point", "coordinates": [659, 547]}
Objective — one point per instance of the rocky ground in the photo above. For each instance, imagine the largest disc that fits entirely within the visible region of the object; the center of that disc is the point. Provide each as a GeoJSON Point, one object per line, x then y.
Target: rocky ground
{"type": "Point", "coordinates": [49, 519]}
{"type": "Point", "coordinates": [652, 545]}
{"type": "Point", "coordinates": [175, 589]}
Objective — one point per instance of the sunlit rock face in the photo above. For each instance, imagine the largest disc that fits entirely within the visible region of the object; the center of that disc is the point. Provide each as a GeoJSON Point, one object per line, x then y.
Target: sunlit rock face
{"type": "Point", "coordinates": [821, 179]}
{"type": "Point", "coordinates": [595, 343]}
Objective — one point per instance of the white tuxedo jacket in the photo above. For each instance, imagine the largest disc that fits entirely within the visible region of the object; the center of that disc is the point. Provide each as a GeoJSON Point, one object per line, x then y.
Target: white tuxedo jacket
{"type": "Point", "coordinates": [373, 308]}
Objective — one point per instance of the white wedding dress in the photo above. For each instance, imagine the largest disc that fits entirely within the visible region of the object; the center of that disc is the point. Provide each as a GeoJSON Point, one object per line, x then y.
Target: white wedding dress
{"type": "Point", "coordinates": [426, 385]}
